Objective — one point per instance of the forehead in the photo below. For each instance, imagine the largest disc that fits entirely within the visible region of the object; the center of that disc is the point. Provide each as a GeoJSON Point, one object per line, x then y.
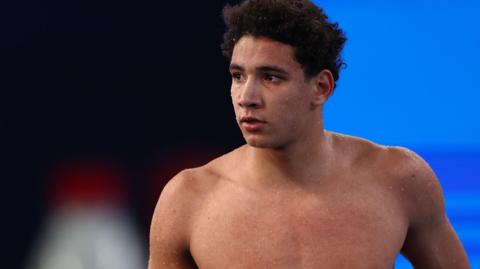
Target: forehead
{"type": "Point", "coordinates": [252, 51]}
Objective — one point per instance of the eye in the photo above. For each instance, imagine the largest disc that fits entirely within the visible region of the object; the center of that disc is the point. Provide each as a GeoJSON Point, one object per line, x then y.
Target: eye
{"type": "Point", "coordinates": [273, 78]}
{"type": "Point", "coordinates": [238, 77]}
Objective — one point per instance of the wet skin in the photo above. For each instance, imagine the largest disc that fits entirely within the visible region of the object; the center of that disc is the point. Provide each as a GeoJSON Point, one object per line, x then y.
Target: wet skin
{"type": "Point", "coordinates": [296, 195]}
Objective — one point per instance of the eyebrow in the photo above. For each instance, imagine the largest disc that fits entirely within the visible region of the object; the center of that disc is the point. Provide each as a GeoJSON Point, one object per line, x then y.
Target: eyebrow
{"type": "Point", "coordinates": [263, 68]}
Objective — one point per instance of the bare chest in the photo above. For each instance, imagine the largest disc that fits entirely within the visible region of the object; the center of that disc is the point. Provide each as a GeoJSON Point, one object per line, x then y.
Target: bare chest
{"type": "Point", "coordinates": [341, 230]}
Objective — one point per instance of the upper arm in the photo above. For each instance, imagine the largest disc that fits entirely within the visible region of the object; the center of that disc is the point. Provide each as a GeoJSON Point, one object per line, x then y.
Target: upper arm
{"type": "Point", "coordinates": [169, 231]}
{"type": "Point", "coordinates": [431, 241]}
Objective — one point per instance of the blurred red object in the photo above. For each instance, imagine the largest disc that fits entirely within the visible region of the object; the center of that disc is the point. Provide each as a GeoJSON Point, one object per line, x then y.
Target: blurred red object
{"type": "Point", "coordinates": [87, 181]}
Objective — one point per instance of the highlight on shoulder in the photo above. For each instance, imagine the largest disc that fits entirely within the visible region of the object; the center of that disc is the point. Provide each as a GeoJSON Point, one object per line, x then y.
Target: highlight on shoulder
{"type": "Point", "coordinates": [202, 179]}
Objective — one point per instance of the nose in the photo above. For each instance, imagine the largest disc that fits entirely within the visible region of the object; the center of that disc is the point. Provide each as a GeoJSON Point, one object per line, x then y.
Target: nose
{"type": "Point", "coordinates": [250, 95]}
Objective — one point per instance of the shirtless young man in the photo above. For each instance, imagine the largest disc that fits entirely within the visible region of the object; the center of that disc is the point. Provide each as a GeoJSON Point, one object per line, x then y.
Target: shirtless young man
{"type": "Point", "coordinates": [296, 195]}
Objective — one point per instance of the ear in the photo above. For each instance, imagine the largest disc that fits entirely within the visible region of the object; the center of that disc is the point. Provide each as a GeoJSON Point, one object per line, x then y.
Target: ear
{"type": "Point", "coordinates": [323, 85]}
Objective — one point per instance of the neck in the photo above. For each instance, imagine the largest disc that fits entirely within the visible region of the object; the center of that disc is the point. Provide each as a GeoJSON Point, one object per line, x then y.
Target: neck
{"type": "Point", "coordinates": [305, 160]}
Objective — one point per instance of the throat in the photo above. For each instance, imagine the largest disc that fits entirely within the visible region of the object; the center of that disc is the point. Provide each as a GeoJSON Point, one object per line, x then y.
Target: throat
{"type": "Point", "coordinates": [300, 164]}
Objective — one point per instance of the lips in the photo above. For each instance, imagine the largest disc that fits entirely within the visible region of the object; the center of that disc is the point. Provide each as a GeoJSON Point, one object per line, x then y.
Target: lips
{"type": "Point", "coordinates": [252, 124]}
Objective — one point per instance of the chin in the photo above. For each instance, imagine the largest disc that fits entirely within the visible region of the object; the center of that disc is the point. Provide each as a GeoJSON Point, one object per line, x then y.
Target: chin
{"type": "Point", "coordinates": [256, 144]}
{"type": "Point", "coordinates": [261, 142]}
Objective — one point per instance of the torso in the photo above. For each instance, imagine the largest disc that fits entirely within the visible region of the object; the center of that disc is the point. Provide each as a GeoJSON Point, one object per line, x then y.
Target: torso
{"type": "Point", "coordinates": [352, 220]}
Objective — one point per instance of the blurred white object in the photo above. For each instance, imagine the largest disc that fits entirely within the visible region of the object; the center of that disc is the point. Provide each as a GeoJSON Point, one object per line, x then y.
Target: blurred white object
{"type": "Point", "coordinates": [89, 238]}
{"type": "Point", "coordinates": [88, 226]}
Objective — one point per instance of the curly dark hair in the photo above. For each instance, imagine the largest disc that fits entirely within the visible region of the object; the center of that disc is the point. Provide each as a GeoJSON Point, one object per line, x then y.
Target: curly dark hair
{"type": "Point", "coordinates": [317, 42]}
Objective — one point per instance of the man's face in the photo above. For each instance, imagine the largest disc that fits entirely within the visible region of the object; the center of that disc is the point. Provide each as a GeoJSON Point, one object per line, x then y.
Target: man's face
{"type": "Point", "coordinates": [271, 98]}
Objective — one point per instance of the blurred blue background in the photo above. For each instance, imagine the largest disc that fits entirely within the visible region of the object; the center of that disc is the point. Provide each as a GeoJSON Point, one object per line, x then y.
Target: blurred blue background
{"type": "Point", "coordinates": [412, 80]}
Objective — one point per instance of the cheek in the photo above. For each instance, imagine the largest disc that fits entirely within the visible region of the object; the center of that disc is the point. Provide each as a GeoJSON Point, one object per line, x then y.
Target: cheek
{"type": "Point", "coordinates": [234, 95]}
{"type": "Point", "coordinates": [294, 111]}
{"type": "Point", "coordinates": [293, 105]}
{"type": "Point", "coordinates": [234, 103]}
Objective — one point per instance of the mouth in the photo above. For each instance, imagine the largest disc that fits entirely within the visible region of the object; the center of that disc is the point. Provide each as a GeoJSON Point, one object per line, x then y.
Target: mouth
{"type": "Point", "coordinates": [252, 124]}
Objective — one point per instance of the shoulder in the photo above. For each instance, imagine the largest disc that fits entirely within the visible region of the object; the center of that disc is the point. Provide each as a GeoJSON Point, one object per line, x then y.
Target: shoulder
{"type": "Point", "coordinates": [180, 201]}
{"type": "Point", "coordinates": [358, 151]}
{"type": "Point", "coordinates": [397, 163]}
{"type": "Point", "coordinates": [415, 183]}
{"type": "Point", "coordinates": [176, 202]}
{"type": "Point", "coordinates": [193, 181]}
{"type": "Point", "coordinates": [407, 167]}
{"type": "Point", "coordinates": [173, 218]}
{"type": "Point", "coordinates": [402, 172]}
{"type": "Point", "coordinates": [190, 187]}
